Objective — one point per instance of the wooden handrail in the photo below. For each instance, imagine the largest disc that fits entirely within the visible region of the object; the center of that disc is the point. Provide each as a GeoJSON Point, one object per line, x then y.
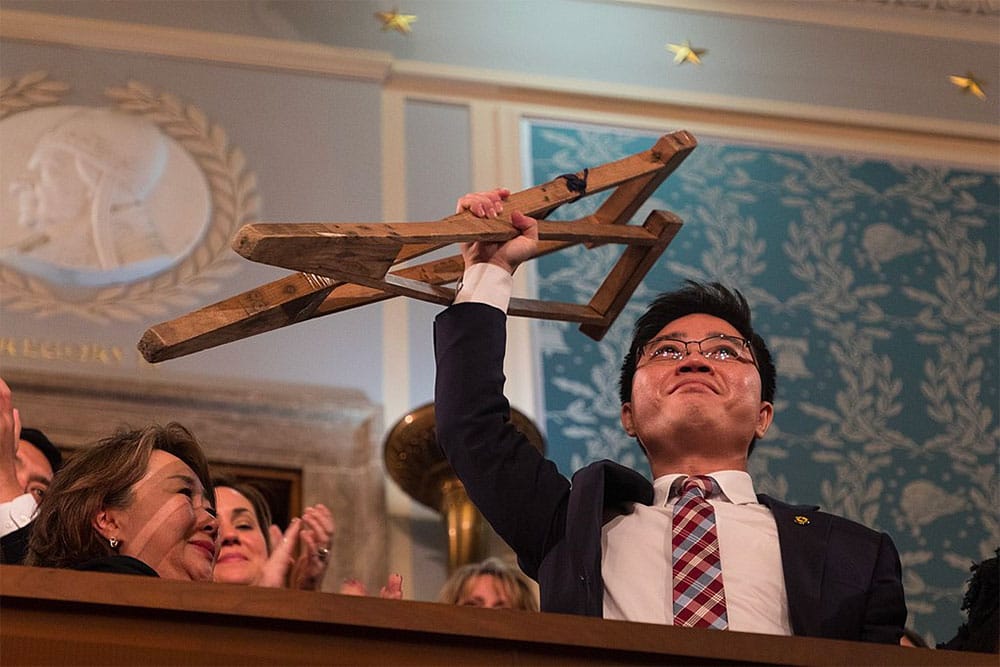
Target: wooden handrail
{"type": "Point", "coordinates": [66, 617]}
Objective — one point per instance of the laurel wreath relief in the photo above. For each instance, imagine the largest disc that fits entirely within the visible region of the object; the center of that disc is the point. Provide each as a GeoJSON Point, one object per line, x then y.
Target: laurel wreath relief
{"type": "Point", "coordinates": [233, 195]}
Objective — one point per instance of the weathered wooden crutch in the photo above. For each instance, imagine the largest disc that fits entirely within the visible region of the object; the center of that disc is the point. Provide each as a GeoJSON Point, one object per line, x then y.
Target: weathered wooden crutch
{"type": "Point", "coordinates": [345, 265]}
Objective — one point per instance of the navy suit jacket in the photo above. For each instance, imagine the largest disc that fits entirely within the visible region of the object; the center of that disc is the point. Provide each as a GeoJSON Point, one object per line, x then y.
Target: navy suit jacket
{"type": "Point", "coordinates": [843, 580]}
{"type": "Point", "coordinates": [14, 546]}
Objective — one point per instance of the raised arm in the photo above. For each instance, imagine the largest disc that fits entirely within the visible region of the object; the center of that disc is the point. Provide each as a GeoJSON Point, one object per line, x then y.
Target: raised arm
{"type": "Point", "coordinates": [520, 493]}
{"type": "Point", "coordinates": [10, 433]}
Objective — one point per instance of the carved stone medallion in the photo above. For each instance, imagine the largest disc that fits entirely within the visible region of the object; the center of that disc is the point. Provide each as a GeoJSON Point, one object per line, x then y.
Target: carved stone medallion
{"type": "Point", "coordinates": [114, 213]}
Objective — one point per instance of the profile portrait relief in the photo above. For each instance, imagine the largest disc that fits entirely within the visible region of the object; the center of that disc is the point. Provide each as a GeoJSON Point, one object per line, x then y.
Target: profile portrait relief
{"type": "Point", "coordinates": [94, 197]}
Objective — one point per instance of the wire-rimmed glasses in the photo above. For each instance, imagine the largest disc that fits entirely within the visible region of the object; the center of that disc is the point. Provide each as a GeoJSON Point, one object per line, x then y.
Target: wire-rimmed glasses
{"type": "Point", "coordinates": [720, 347]}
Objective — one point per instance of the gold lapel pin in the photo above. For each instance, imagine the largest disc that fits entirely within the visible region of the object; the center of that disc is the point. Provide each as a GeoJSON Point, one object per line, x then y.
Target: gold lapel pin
{"type": "Point", "coordinates": [801, 520]}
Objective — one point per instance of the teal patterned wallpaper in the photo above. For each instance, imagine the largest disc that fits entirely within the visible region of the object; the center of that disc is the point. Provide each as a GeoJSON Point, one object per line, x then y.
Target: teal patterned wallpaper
{"type": "Point", "coordinates": [875, 285]}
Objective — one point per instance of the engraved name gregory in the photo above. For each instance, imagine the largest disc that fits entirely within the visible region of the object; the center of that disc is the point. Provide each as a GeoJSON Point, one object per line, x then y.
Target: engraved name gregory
{"type": "Point", "coordinates": [58, 350]}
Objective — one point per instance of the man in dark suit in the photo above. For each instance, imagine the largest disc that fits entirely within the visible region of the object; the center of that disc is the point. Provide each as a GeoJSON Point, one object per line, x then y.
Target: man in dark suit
{"type": "Point", "coordinates": [697, 389]}
{"type": "Point", "coordinates": [28, 460]}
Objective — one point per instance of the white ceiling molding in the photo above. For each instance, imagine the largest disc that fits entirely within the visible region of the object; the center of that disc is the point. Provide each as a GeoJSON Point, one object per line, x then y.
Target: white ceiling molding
{"type": "Point", "coordinates": [474, 82]}
{"type": "Point", "coordinates": [255, 52]}
{"type": "Point", "coordinates": [963, 20]}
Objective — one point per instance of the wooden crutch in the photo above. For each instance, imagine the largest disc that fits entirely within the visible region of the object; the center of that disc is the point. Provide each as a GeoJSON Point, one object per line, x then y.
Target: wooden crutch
{"type": "Point", "coordinates": [346, 265]}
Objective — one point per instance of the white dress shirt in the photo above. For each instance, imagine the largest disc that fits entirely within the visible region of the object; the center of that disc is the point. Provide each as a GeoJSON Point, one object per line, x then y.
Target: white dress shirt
{"type": "Point", "coordinates": [17, 513]}
{"type": "Point", "coordinates": [636, 562]}
{"type": "Point", "coordinates": [486, 283]}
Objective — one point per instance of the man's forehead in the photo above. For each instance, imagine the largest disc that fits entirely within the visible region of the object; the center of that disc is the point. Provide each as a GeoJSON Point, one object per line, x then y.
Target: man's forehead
{"type": "Point", "coordinates": [697, 324]}
{"type": "Point", "coordinates": [28, 455]}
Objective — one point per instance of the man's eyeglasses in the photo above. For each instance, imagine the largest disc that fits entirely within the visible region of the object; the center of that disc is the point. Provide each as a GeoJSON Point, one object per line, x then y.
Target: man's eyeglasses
{"type": "Point", "coordinates": [717, 348]}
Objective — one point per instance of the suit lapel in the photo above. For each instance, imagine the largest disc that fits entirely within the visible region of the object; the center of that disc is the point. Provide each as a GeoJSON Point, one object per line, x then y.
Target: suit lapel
{"type": "Point", "coordinates": [601, 486]}
{"type": "Point", "coordinates": [803, 533]}
{"type": "Point", "coordinates": [597, 488]}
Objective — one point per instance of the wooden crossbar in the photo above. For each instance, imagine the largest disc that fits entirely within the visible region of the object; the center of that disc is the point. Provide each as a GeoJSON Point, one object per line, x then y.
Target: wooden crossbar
{"type": "Point", "coordinates": [346, 265]}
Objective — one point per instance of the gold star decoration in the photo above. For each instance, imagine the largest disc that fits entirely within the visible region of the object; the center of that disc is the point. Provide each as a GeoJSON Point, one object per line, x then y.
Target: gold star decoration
{"type": "Point", "coordinates": [395, 21]}
{"type": "Point", "coordinates": [969, 84]}
{"type": "Point", "coordinates": [685, 53]}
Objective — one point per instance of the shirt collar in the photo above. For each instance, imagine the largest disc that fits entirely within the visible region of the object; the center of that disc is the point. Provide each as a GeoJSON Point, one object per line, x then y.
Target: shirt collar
{"type": "Point", "coordinates": [736, 485]}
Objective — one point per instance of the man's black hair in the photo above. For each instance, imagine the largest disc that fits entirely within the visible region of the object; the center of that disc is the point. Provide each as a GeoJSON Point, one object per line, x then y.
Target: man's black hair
{"type": "Point", "coordinates": [44, 445]}
{"type": "Point", "coordinates": [982, 603]}
{"type": "Point", "coordinates": [710, 299]}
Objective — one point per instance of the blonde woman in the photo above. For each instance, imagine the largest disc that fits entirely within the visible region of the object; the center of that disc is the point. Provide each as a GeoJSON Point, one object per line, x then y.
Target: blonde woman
{"type": "Point", "coordinates": [491, 584]}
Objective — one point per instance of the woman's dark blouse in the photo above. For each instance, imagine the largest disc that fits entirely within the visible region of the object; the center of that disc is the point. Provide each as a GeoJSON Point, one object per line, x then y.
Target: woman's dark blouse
{"type": "Point", "coordinates": [117, 564]}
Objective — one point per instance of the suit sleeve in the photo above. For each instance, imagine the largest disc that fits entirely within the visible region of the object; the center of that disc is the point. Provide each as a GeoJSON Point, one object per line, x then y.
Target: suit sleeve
{"type": "Point", "coordinates": [518, 491]}
{"type": "Point", "coordinates": [885, 611]}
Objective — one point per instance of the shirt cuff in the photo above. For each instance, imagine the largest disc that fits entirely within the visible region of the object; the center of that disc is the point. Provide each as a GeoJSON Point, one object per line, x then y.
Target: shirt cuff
{"type": "Point", "coordinates": [486, 283]}
{"type": "Point", "coordinates": [17, 513]}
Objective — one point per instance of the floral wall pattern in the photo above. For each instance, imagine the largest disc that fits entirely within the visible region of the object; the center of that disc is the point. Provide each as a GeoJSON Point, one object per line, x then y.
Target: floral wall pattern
{"type": "Point", "coordinates": [874, 283]}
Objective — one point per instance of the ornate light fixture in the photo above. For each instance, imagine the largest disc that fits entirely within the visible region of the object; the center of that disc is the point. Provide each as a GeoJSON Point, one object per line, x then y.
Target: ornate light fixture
{"type": "Point", "coordinates": [415, 461]}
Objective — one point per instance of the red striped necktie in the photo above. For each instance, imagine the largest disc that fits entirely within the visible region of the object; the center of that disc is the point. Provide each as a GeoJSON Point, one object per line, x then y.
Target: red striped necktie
{"type": "Point", "coordinates": [699, 597]}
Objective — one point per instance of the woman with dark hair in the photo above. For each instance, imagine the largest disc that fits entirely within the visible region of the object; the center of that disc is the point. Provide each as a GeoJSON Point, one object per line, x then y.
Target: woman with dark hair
{"type": "Point", "coordinates": [253, 551]}
{"type": "Point", "coordinates": [138, 502]}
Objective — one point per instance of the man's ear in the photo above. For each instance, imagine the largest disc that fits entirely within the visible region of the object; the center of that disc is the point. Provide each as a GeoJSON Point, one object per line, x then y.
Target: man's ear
{"type": "Point", "coordinates": [764, 418]}
{"type": "Point", "coordinates": [106, 523]}
{"type": "Point", "coordinates": [627, 422]}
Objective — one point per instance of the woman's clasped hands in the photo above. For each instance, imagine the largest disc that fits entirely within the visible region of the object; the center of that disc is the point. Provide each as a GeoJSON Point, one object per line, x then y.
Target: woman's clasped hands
{"type": "Point", "coordinates": [301, 554]}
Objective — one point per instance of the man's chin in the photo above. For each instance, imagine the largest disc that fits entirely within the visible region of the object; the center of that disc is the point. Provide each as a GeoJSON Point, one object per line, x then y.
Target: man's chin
{"type": "Point", "coordinates": [694, 424]}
